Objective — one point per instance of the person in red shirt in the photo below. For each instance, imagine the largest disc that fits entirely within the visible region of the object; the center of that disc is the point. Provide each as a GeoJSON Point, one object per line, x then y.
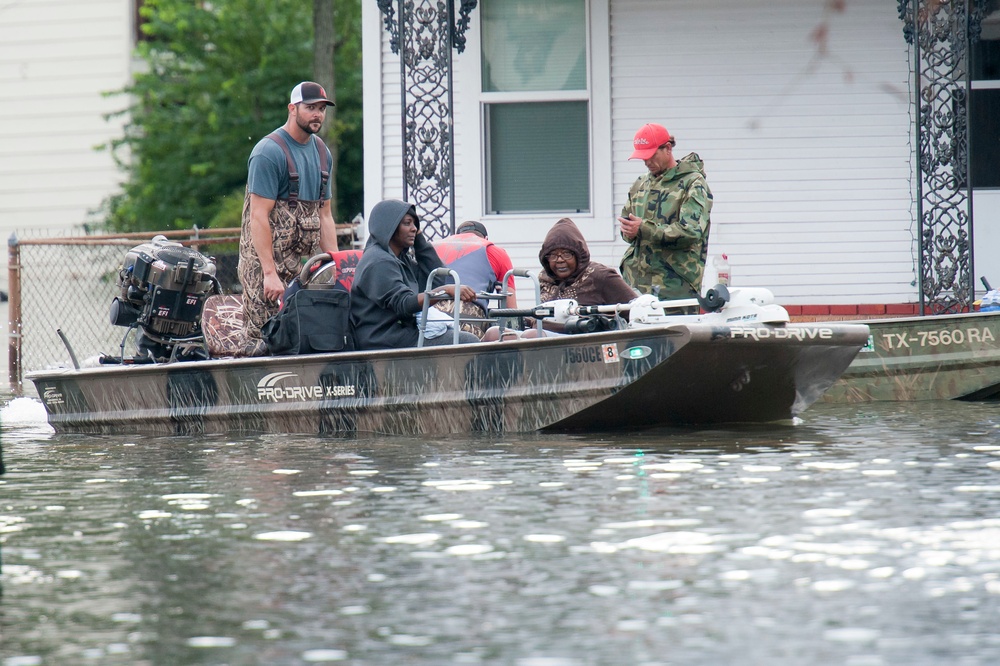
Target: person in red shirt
{"type": "Point", "coordinates": [480, 264]}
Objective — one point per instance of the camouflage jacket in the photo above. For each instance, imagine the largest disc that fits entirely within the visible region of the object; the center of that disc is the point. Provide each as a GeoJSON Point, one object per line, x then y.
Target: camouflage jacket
{"type": "Point", "coordinates": [670, 249]}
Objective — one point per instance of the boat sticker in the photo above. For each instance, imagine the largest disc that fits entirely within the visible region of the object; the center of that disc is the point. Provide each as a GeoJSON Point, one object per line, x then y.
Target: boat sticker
{"type": "Point", "coordinates": [752, 316]}
{"type": "Point", "coordinates": [870, 345]}
{"type": "Point", "coordinates": [642, 351]}
{"type": "Point", "coordinates": [279, 386]}
{"type": "Point", "coordinates": [798, 333]}
{"type": "Point", "coordinates": [611, 353]}
{"type": "Point", "coordinates": [592, 354]}
{"type": "Point", "coordinates": [52, 396]}
{"type": "Point", "coordinates": [943, 337]}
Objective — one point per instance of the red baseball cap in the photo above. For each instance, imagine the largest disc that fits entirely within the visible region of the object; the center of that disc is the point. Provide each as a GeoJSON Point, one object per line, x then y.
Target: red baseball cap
{"type": "Point", "coordinates": [648, 140]}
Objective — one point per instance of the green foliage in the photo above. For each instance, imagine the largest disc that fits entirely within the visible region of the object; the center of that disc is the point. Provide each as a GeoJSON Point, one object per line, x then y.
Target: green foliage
{"type": "Point", "coordinates": [217, 80]}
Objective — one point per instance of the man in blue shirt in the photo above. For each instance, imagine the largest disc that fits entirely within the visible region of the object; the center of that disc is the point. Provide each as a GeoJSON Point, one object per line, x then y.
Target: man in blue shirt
{"type": "Point", "coordinates": [286, 213]}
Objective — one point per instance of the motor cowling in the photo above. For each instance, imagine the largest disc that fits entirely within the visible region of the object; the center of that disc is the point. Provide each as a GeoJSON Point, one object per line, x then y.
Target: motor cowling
{"type": "Point", "coordinates": [164, 286]}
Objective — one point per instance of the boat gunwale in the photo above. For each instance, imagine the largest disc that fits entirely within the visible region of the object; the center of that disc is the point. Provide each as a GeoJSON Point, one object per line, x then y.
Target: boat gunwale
{"type": "Point", "coordinates": [701, 331]}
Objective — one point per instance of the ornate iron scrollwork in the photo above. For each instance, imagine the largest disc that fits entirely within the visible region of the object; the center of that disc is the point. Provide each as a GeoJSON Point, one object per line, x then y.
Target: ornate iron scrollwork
{"type": "Point", "coordinates": [941, 33]}
{"type": "Point", "coordinates": [423, 37]}
{"type": "Point", "coordinates": [385, 6]}
{"type": "Point", "coordinates": [462, 24]}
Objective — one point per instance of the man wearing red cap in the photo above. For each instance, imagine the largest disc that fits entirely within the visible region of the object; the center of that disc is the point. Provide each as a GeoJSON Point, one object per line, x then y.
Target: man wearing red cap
{"type": "Point", "coordinates": [286, 213]}
{"type": "Point", "coordinates": [666, 219]}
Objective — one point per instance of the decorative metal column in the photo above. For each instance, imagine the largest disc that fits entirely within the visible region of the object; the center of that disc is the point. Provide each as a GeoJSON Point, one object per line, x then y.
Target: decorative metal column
{"type": "Point", "coordinates": [423, 36]}
{"type": "Point", "coordinates": [941, 32]}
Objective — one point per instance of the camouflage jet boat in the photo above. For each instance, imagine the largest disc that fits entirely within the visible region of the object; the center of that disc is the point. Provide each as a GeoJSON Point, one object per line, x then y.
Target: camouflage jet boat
{"type": "Point", "coordinates": [941, 357]}
{"type": "Point", "coordinates": [728, 366]}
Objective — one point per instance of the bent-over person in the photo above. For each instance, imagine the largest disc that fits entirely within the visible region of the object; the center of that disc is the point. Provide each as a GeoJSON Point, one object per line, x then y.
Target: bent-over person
{"type": "Point", "coordinates": [481, 264]}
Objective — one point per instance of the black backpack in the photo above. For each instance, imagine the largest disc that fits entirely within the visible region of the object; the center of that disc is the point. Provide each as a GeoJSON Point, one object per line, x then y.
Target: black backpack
{"type": "Point", "coordinates": [313, 320]}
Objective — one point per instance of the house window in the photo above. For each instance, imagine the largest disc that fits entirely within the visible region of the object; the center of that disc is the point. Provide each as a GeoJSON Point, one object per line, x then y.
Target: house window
{"type": "Point", "coordinates": [984, 103]}
{"type": "Point", "coordinates": [984, 134]}
{"type": "Point", "coordinates": [536, 105]}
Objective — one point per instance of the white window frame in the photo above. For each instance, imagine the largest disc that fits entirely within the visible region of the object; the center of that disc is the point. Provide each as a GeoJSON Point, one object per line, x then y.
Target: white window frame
{"type": "Point", "coordinates": [472, 157]}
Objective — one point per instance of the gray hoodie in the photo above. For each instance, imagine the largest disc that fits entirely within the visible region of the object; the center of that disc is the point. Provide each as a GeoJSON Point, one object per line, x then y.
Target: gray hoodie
{"type": "Point", "coordinates": [385, 287]}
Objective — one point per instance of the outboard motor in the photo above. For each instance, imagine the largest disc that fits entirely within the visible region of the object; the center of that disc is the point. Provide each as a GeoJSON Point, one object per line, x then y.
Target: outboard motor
{"type": "Point", "coordinates": [164, 286]}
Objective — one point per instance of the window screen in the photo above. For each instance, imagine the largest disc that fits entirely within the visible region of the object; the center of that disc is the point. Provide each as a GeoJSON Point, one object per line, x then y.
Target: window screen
{"type": "Point", "coordinates": [534, 45]}
{"type": "Point", "coordinates": [536, 106]}
{"type": "Point", "coordinates": [984, 104]}
{"type": "Point", "coordinates": [538, 157]}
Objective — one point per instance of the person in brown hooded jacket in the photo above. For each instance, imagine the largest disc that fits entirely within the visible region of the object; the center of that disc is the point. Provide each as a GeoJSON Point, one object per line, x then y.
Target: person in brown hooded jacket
{"type": "Point", "coordinates": [569, 272]}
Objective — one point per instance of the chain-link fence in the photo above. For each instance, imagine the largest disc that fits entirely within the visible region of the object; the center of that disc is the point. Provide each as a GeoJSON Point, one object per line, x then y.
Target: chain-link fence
{"type": "Point", "coordinates": [67, 285]}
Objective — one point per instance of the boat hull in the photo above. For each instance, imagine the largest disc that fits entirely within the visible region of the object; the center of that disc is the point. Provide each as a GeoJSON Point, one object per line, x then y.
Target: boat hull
{"type": "Point", "coordinates": [925, 358]}
{"type": "Point", "coordinates": [631, 379]}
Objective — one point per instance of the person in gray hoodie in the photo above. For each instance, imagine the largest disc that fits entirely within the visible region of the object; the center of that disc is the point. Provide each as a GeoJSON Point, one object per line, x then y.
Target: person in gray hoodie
{"type": "Point", "coordinates": [387, 292]}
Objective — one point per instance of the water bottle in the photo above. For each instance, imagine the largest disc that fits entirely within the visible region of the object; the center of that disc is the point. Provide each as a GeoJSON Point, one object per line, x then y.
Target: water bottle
{"type": "Point", "coordinates": [990, 301]}
{"type": "Point", "coordinates": [721, 264]}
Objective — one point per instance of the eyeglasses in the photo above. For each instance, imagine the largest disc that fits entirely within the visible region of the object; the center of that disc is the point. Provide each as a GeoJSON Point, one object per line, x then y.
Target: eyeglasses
{"type": "Point", "coordinates": [666, 145]}
{"type": "Point", "coordinates": [556, 255]}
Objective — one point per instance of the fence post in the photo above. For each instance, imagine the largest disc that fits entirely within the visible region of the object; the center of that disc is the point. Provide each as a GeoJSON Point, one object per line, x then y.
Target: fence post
{"type": "Point", "coordinates": [14, 315]}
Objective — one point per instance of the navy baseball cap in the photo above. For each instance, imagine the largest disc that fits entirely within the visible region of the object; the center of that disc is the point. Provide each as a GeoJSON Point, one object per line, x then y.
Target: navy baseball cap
{"type": "Point", "coordinates": [471, 226]}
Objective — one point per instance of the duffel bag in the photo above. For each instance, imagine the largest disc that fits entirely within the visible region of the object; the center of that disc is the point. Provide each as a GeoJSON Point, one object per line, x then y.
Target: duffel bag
{"type": "Point", "coordinates": [311, 321]}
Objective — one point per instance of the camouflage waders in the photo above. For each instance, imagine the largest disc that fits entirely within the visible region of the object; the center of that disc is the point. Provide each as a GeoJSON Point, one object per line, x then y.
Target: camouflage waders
{"type": "Point", "coordinates": [295, 233]}
{"type": "Point", "coordinates": [471, 310]}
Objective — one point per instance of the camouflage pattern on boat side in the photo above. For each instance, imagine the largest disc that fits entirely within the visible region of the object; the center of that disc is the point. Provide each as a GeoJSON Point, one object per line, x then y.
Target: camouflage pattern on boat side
{"type": "Point", "coordinates": [630, 379]}
{"type": "Point", "coordinates": [940, 357]}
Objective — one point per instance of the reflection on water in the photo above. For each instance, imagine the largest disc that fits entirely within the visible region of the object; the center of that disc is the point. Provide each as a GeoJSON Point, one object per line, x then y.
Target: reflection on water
{"type": "Point", "coordinates": [863, 535]}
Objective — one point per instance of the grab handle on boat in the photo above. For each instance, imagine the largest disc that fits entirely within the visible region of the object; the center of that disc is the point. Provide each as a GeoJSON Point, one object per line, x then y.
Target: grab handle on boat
{"type": "Point", "coordinates": [69, 348]}
{"type": "Point", "coordinates": [422, 324]}
{"type": "Point", "coordinates": [521, 273]}
{"type": "Point", "coordinates": [312, 263]}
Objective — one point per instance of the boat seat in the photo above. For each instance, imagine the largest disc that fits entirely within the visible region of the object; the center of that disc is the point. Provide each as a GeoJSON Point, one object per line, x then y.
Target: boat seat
{"type": "Point", "coordinates": [346, 262]}
{"type": "Point", "coordinates": [222, 324]}
{"type": "Point", "coordinates": [222, 318]}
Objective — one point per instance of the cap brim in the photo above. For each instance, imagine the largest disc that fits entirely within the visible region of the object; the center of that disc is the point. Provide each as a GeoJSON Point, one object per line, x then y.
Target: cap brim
{"type": "Point", "coordinates": [643, 154]}
{"type": "Point", "coordinates": [320, 99]}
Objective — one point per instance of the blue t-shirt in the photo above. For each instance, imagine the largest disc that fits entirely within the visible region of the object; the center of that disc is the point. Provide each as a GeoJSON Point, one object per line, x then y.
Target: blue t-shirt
{"type": "Point", "coordinates": [268, 169]}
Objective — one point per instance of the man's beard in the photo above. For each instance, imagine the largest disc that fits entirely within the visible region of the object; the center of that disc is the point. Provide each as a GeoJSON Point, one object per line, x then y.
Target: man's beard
{"type": "Point", "coordinates": [305, 127]}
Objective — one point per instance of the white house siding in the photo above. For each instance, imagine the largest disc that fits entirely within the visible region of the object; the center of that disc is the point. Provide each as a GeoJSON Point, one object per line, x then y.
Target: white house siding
{"type": "Point", "coordinates": [57, 57]}
{"type": "Point", "coordinates": [520, 235]}
{"type": "Point", "coordinates": [384, 138]}
{"type": "Point", "coordinates": [383, 152]}
{"type": "Point", "coordinates": [986, 218]}
{"type": "Point", "coordinates": [807, 152]}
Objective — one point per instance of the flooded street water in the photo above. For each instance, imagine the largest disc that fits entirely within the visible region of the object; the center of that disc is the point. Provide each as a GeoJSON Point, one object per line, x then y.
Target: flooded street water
{"type": "Point", "coordinates": [861, 536]}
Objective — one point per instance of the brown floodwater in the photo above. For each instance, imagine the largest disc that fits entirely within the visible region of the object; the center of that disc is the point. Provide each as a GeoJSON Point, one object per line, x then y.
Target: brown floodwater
{"type": "Point", "coordinates": [862, 536]}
